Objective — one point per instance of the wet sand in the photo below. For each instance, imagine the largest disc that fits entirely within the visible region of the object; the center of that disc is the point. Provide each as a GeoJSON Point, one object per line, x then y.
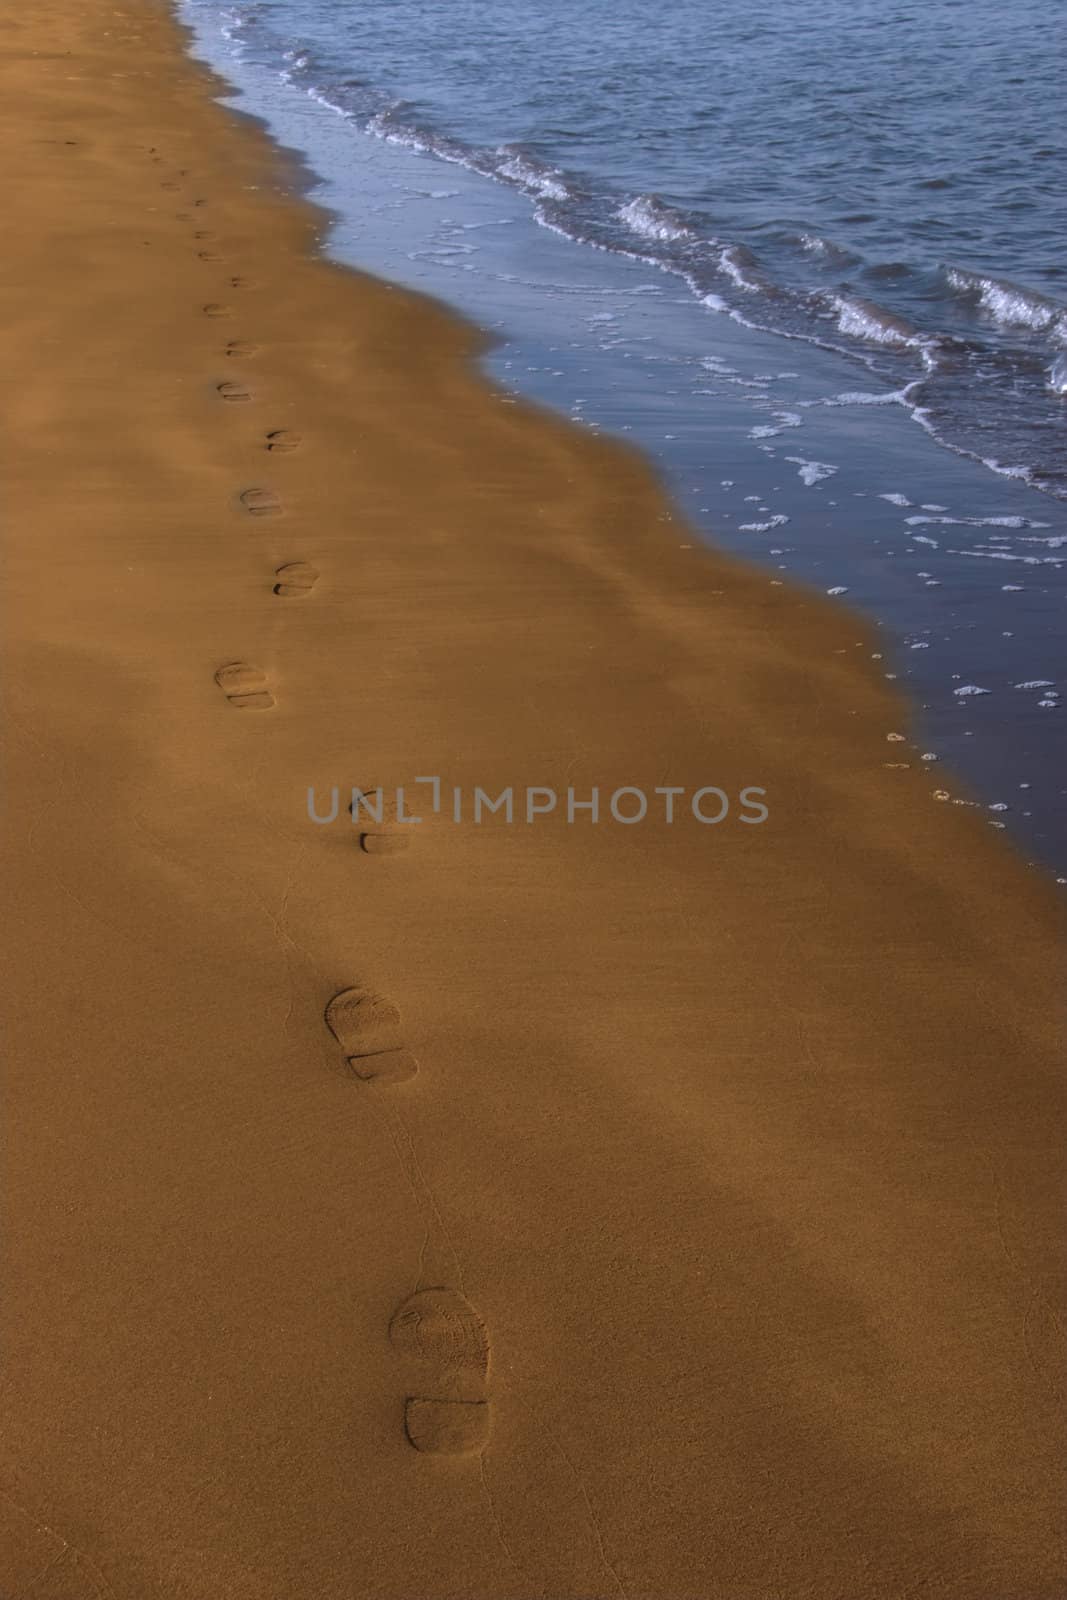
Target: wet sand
{"type": "Point", "coordinates": [712, 1250]}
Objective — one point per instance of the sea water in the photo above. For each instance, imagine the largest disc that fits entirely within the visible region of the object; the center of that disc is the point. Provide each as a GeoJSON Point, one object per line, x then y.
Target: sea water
{"type": "Point", "coordinates": [810, 258]}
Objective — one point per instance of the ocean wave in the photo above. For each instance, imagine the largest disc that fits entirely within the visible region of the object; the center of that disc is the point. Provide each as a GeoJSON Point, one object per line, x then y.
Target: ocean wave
{"type": "Point", "coordinates": [862, 319]}
{"type": "Point", "coordinates": [532, 175]}
{"type": "Point", "coordinates": [738, 263]}
{"type": "Point", "coordinates": [647, 215]}
{"type": "Point", "coordinates": [813, 244]}
{"type": "Point", "coordinates": [1008, 304]}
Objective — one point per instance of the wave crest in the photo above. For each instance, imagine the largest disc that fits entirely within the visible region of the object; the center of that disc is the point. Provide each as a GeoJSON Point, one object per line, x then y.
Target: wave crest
{"type": "Point", "coordinates": [548, 183]}
{"type": "Point", "coordinates": [1008, 304]}
{"type": "Point", "coordinates": [647, 215]}
{"type": "Point", "coordinates": [862, 319]}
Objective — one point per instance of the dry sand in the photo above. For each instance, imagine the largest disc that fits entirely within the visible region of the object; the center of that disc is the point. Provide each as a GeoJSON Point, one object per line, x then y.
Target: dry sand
{"type": "Point", "coordinates": [728, 1188]}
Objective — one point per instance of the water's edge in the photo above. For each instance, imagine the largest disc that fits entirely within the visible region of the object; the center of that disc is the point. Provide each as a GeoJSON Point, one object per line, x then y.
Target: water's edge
{"type": "Point", "coordinates": [379, 216]}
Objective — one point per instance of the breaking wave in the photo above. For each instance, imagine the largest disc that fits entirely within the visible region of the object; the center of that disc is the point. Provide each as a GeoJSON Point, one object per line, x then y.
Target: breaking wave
{"type": "Point", "coordinates": [647, 215]}
{"type": "Point", "coordinates": [1007, 304]}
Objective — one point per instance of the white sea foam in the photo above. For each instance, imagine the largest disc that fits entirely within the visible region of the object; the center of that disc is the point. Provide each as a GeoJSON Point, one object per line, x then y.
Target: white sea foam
{"type": "Point", "coordinates": [862, 397]}
{"type": "Point", "coordinates": [542, 181]}
{"type": "Point", "coordinates": [739, 265]}
{"type": "Point", "coordinates": [324, 100]}
{"type": "Point", "coordinates": [897, 499]}
{"type": "Point", "coordinates": [979, 522]}
{"type": "Point", "coordinates": [647, 215]}
{"type": "Point", "coordinates": [762, 527]}
{"type": "Point", "coordinates": [864, 320]}
{"type": "Point", "coordinates": [1021, 471]}
{"type": "Point", "coordinates": [813, 244]}
{"type": "Point", "coordinates": [970, 689]}
{"type": "Point", "coordinates": [1006, 303]}
{"type": "Point", "coordinates": [1005, 555]}
{"type": "Point", "coordinates": [811, 472]}
{"type": "Point", "coordinates": [784, 420]}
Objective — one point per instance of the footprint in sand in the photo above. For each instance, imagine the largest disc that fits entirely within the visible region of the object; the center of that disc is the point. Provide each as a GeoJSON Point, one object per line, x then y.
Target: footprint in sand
{"type": "Point", "coordinates": [202, 233]}
{"type": "Point", "coordinates": [170, 185]}
{"type": "Point", "coordinates": [244, 687]}
{"type": "Point", "coordinates": [283, 440]}
{"type": "Point", "coordinates": [241, 349]}
{"type": "Point", "coordinates": [241, 283]}
{"type": "Point", "coordinates": [215, 308]}
{"type": "Point", "coordinates": [209, 255]}
{"type": "Point", "coordinates": [261, 502]}
{"type": "Point", "coordinates": [298, 578]}
{"type": "Point", "coordinates": [382, 833]}
{"type": "Point", "coordinates": [367, 1027]}
{"type": "Point", "coordinates": [235, 393]}
{"type": "Point", "coordinates": [444, 1340]}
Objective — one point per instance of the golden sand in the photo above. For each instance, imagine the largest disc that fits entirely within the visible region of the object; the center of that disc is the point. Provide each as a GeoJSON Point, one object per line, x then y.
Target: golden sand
{"type": "Point", "coordinates": [685, 1226]}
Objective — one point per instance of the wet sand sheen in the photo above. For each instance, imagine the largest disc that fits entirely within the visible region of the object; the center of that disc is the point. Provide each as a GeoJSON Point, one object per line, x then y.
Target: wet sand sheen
{"type": "Point", "coordinates": [540, 1210]}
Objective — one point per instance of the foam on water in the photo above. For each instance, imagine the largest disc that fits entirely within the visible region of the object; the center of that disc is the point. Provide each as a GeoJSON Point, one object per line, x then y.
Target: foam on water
{"type": "Point", "coordinates": [977, 522]}
{"type": "Point", "coordinates": [737, 263]}
{"type": "Point", "coordinates": [763, 527]}
{"type": "Point", "coordinates": [811, 472]}
{"type": "Point", "coordinates": [532, 175]}
{"type": "Point", "coordinates": [647, 215]}
{"type": "Point", "coordinates": [864, 320]}
{"type": "Point", "coordinates": [1007, 303]}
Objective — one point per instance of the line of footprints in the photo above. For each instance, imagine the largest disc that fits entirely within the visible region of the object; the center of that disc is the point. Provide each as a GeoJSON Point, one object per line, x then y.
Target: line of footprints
{"type": "Point", "coordinates": [441, 1337]}
{"type": "Point", "coordinates": [437, 1334]}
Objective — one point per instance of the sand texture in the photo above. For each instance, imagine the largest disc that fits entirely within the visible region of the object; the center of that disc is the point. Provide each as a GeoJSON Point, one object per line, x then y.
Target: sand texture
{"type": "Point", "coordinates": [479, 1212]}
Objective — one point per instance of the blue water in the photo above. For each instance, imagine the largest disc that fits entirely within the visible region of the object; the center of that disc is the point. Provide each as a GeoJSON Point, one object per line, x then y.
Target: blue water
{"type": "Point", "coordinates": [888, 178]}
{"type": "Point", "coordinates": [828, 294]}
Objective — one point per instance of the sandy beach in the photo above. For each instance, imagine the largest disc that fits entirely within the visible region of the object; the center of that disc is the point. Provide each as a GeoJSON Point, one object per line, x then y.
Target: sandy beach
{"type": "Point", "coordinates": [667, 1210]}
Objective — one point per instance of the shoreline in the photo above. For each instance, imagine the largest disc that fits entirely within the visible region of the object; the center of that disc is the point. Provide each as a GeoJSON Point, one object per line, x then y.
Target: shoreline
{"type": "Point", "coordinates": [730, 1170]}
{"type": "Point", "coordinates": [594, 339]}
